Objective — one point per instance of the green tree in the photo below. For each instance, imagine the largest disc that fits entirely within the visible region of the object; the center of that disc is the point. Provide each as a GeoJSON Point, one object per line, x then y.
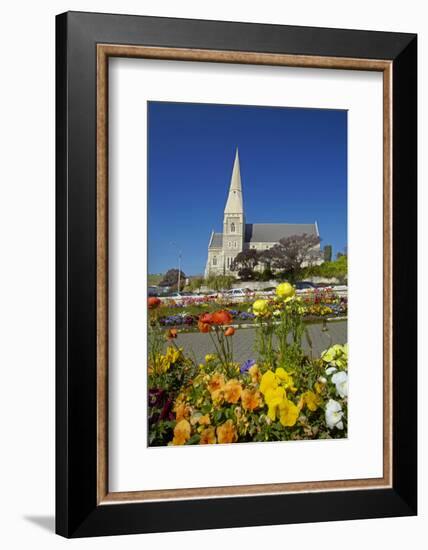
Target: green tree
{"type": "Point", "coordinates": [246, 274]}
{"type": "Point", "coordinates": [195, 283]}
{"type": "Point", "coordinates": [328, 250]}
{"type": "Point", "coordinates": [220, 282]}
{"type": "Point", "coordinates": [266, 275]}
{"type": "Point", "coordinates": [337, 269]}
{"type": "Point", "coordinates": [171, 279]}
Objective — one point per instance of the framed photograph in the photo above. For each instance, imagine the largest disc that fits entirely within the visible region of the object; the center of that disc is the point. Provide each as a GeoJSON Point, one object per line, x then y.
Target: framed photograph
{"type": "Point", "coordinates": [236, 274]}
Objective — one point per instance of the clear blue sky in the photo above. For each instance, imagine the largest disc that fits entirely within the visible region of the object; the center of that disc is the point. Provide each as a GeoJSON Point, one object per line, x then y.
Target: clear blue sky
{"type": "Point", "coordinates": [293, 170]}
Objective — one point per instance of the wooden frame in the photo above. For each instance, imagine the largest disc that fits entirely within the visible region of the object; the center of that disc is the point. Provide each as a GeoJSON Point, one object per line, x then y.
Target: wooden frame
{"type": "Point", "coordinates": [84, 44]}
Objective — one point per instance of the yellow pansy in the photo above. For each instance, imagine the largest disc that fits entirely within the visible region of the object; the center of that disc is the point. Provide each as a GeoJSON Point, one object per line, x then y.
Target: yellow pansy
{"type": "Point", "coordinates": [182, 410]}
{"type": "Point", "coordinates": [204, 420]}
{"type": "Point", "coordinates": [319, 387]}
{"type": "Point", "coordinates": [288, 413]}
{"type": "Point", "coordinates": [273, 399]}
{"type": "Point", "coordinates": [232, 391]}
{"type": "Point", "coordinates": [217, 396]}
{"type": "Point", "coordinates": [172, 354]}
{"type": "Point", "coordinates": [209, 357]}
{"type": "Point", "coordinates": [208, 436]}
{"type": "Point", "coordinates": [260, 307]}
{"type": "Point", "coordinates": [255, 374]}
{"type": "Point", "coordinates": [268, 381]}
{"type": "Point", "coordinates": [226, 433]}
{"type": "Point", "coordinates": [216, 382]}
{"type": "Point", "coordinates": [286, 379]}
{"type": "Point", "coordinates": [251, 400]}
{"type": "Point", "coordinates": [181, 432]}
{"type": "Point", "coordinates": [337, 356]}
{"type": "Point", "coordinates": [285, 291]}
{"type": "Point", "coordinates": [164, 362]}
{"type": "Point", "coordinates": [311, 399]}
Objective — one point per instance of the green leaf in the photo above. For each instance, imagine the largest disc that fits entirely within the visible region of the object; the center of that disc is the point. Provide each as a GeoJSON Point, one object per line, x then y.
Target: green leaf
{"type": "Point", "coordinates": [194, 440]}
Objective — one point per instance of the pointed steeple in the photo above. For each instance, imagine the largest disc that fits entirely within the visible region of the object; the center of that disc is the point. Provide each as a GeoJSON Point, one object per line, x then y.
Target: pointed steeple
{"type": "Point", "coordinates": [234, 203]}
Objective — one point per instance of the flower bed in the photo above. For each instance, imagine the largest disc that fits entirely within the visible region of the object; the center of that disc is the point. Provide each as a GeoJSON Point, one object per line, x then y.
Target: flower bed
{"type": "Point", "coordinates": [284, 395]}
{"type": "Point", "coordinates": [314, 305]}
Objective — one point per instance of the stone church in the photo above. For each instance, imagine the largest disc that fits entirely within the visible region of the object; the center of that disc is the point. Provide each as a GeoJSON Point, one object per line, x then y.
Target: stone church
{"type": "Point", "coordinates": [238, 235]}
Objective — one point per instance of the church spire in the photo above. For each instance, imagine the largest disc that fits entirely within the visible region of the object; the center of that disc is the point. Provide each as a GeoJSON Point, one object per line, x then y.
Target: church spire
{"type": "Point", "coordinates": [234, 203]}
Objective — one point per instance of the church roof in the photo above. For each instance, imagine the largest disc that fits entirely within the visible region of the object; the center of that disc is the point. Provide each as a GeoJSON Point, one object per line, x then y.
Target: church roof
{"type": "Point", "coordinates": [268, 232]}
{"type": "Point", "coordinates": [273, 232]}
{"type": "Point", "coordinates": [216, 240]}
{"type": "Point", "coordinates": [234, 203]}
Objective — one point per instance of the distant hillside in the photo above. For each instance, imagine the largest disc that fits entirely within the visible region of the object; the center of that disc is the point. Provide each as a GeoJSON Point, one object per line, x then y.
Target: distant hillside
{"type": "Point", "coordinates": [154, 279]}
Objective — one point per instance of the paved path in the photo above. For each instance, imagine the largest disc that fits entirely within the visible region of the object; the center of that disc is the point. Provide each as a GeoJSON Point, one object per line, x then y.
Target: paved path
{"type": "Point", "coordinates": [243, 341]}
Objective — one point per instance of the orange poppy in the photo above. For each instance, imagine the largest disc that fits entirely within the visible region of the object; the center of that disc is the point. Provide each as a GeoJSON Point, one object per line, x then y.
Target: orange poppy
{"type": "Point", "coordinates": [153, 302]}
{"type": "Point", "coordinates": [221, 317]}
{"type": "Point", "coordinates": [204, 327]}
{"type": "Point", "coordinates": [206, 318]}
{"type": "Point", "coordinates": [230, 331]}
{"type": "Point", "coordinates": [171, 334]}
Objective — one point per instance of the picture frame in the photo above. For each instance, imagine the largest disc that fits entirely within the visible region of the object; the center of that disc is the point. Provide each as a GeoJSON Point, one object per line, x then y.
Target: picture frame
{"type": "Point", "coordinates": [84, 44]}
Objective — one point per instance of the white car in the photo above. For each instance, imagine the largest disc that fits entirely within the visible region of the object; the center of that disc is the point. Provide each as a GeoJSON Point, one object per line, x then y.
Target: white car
{"type": "Point", "coordinates": [238, 294]}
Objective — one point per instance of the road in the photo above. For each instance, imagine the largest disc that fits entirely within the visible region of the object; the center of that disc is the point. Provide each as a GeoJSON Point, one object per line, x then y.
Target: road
{"type": "Point", "coordinates": [243, 341]}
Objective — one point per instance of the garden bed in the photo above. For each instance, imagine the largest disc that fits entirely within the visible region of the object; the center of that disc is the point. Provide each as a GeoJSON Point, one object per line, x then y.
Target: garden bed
{"type": "Point", "coordinates": [284, 396]}
{"type": "Point", "coordinates": [315, 307]}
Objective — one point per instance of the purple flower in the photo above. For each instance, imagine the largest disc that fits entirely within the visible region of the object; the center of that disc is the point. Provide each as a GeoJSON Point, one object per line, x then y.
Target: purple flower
{"type": "Point", "coordinates": [245, 367]}
{"type": "Point", "coordinates": [165, 409]}
{"type": "Point", "coordinates": [245, 316]}
{"type": "Point", "coordinates": [155, 396]}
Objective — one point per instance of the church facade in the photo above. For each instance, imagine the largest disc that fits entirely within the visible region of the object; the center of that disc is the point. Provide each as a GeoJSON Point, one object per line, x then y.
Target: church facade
{"type": "Point", "coordinates": [237, 235]}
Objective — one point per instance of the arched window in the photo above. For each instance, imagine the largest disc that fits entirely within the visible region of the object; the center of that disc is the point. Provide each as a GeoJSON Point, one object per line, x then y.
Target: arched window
{"type": "Point", "coordinates": [235, 244]}
{"type": "Point", "coordinates": [228, 262]}
{"type": "Point", "coordinates": [229, 244]}
{"type": "Point", "coordinates": [214, 260]}
{"type": "Point", "coordinates": [232, 227]}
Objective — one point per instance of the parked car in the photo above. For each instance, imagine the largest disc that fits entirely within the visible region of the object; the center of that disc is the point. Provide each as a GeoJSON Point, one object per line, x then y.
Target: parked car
{"type": "Point", "coordinates": [153, 291]}
{"type": "Point", "coordinates": [340, 288]}
{"type": "Point", "coordinates": [238, 294]}
{"type": "Point", "coordinates": [268, 291]}
{"type": "Point", "coordinates": [305, 285]}
{"type": "Point", "coordinates": [177, 295]}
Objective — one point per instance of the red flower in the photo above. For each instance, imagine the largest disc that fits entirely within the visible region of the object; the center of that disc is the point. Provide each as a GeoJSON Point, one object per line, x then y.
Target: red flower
{"type": "Point", "coordinates": [204, 327]}
{"type": "Point", "coordinates": [230, 331]}
{"type": "Point", "coordinates": [153, 302]}
{"type": "Point", "coordinates": [221, 317]}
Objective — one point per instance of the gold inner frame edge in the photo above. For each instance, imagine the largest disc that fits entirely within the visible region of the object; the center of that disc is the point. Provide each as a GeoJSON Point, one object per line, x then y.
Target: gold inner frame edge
{"type": "Point", "coordinates": [104, 51]}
